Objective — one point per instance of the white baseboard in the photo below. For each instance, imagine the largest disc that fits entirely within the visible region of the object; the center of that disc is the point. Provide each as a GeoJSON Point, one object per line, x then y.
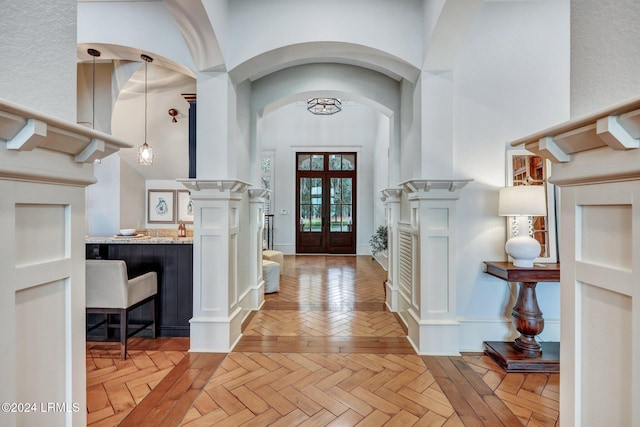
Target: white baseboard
{"type": "Point", "coordinates": [290, 249]}
{"type": "Point", "coordinates": [285, 248]}
{"type": "Point", "coordinates": [383, 260]}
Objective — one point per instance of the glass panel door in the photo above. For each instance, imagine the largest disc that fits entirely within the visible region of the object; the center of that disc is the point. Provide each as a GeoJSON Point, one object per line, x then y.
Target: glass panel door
{"type": "Point", "coordinates": [310, 205]}
{"type": "Point", "coordinates": [325, 202]}
{"type": "Point", "coordinates": [341, 220]}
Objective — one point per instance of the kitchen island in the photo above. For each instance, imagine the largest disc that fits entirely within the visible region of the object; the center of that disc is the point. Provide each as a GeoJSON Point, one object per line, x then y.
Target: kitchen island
{"type": "Point", "coordinates": [171, 258]}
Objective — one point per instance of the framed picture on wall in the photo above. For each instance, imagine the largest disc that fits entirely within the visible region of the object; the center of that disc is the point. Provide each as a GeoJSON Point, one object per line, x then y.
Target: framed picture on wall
{"type": "Point", "coordinates": [161, 206]}
{"type": "Point", "coordinates": [185, 207]}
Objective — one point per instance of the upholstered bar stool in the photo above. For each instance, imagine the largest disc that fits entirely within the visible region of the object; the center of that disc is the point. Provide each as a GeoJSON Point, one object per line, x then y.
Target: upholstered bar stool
{"type": "Point", "coordinates": [271, 274]}
{"type": "Point", "coordinates": [109, 291]}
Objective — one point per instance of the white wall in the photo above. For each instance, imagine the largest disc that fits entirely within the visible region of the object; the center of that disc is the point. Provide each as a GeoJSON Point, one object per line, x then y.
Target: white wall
{"type": "Point", "coordinates": [117, 200]}
{"type": "Point", "coordinates": [512, 78]}
{"type": "Point", "coordinates": [410, 150]}
{"type": "Point", "coordinates": [240, 133]}
{"type": "Point", "coordinates": [103, 198]}
{"type": "Point", "coordinates": [292, 128]}
{"type": "Point", "coordinates": [40, 58]}
{"type": "Point", "coordinates": [381, 168]}
{"type": "Point", "coordinates": [605, 65]}
{"type": "Point", "coordinates": [132, 198]}
{"type": "Point", "coordinates": [241, 154]}
{"type": "Point", "coordinates": [94, 103]}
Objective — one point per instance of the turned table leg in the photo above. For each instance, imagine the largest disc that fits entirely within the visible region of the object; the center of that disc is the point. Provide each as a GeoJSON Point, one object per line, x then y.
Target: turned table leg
{"type": "Point", "coordinates": [528, 320]}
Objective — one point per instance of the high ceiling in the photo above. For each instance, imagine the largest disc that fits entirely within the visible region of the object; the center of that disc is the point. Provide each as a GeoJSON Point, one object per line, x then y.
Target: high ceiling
{"type": "Point", "coordinates": [250, 40]}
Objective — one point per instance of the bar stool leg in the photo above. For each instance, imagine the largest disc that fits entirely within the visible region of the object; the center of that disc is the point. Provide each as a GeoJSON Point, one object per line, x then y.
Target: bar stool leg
{"type": "Point", "coordinates": [124, 321]}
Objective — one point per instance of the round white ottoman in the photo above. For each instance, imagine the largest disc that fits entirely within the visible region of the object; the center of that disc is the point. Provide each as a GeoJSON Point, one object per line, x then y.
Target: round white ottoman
{"type": "Point", "coordinates": [271, 275]}
{"type": "Point", "coordinates": [276, 256]}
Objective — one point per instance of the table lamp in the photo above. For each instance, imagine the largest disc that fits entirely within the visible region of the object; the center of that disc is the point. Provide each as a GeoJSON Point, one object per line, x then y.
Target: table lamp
{"type": "Point", "coordinates": [522, 201]}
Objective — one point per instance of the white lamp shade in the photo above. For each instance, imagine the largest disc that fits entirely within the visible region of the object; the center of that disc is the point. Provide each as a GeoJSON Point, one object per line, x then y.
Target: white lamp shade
{"type": "Point", "coordinates": [522, 200]}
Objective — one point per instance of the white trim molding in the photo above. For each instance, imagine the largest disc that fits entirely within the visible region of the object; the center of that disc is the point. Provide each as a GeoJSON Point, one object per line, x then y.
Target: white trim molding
{"type": "Point", "coordinates": [429, 304]}
{"type": "Point", "coordinates": [218, 307]}
{"type": "Point", "coordinates": [597, 169]}
{"type": "Point", "coordinates": [392, 199]}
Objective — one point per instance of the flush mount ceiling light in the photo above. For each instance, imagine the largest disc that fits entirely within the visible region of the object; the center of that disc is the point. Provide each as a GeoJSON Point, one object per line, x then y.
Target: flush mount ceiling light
{"type": "Point", "coordinates": [173, 113]}
{"type": "Point", "coordinates": [145, 152]}
{"type": "Point", "coordinates": [324, 106]}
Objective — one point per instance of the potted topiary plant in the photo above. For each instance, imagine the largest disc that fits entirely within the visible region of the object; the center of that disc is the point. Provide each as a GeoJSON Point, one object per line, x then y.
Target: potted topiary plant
{"type": "Point", "coordinates": [378, 241]}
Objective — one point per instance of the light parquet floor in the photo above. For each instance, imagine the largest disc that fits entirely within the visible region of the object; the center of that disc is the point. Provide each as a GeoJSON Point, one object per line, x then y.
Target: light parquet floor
{"type": "Point", "coordinates": [115, 387]}
{"type": "Point", "coordinates": [321, 351]}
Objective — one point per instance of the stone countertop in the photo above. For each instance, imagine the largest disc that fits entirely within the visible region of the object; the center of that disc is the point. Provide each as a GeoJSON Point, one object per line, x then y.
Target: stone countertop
{"type": "Point", "coordinates": [140, 238]}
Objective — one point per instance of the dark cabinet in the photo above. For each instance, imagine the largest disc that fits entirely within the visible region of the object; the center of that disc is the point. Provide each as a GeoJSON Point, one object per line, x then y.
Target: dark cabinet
{"type": "Point", "coordinates": [174, 265]}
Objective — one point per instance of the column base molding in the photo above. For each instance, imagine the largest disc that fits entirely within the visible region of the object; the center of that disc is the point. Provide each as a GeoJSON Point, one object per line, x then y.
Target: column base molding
{"type": "Point", "coordinates": [392, 296]}
{"type": "Point", "coordinates": [434, 337]}
{"type": "Point", "coordinates": [215, 334]}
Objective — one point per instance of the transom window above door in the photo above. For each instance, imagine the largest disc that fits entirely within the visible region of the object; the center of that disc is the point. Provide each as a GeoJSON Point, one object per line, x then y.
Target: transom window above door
{"type": "Point", "coordinates": [336, 162]}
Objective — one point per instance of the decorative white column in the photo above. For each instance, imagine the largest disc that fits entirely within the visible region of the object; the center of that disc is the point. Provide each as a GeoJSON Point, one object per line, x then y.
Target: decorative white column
{"type": "Point", "coordinates": [391, 197]}
{"type": "Point", "coordinates": [257, 199]}
{"type": "Point", "coordinates": [217, 313]}
{"type": "Point", "coordinates": [45, 165]}
{"type": "Point", "coordinates": [596, 166]}
{"type": "Point", "coordinates": [432, 319]}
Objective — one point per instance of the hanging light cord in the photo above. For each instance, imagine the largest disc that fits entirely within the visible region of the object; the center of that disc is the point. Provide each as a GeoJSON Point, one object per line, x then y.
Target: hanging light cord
{"type": "Point", "coordinates": [146, 64]}
{"type": "Point", "coordinates": [93, 94]}
{"type": "Point", "coordinates": [94, 53]}
{"type": "Point", "coordinates": [146, 59]}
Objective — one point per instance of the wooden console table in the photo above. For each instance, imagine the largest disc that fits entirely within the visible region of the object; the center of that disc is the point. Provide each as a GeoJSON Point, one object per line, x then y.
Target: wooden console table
{"type": "Point", "coordinates": [525, 354]}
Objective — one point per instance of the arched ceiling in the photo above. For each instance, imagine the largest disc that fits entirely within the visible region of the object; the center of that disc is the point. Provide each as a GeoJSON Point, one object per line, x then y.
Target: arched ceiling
{"type": "Point", "coordinates": [111, 52]}
{"type": "Point", "coordinates": [325, 53]}
{"type": "Point", "coordinates": [299, 83]}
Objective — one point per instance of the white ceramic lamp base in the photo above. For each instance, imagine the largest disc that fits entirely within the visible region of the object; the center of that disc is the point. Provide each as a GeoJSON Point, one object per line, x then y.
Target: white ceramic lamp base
{"type": "Point", "coordinates": [523, 249]}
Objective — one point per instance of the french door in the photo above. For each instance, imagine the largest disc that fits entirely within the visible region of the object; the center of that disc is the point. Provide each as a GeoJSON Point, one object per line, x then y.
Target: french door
{"type": "Point", "coordinates": [325, 203]}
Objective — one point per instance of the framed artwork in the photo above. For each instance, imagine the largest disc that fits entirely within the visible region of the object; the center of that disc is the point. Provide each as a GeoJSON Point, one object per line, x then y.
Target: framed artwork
{"type": "Point", "coordinates": [185, 207]}
{"type": "Point", "coordinates": [161, 206]}
{"type": "Point", "coordinates": [526, 168]}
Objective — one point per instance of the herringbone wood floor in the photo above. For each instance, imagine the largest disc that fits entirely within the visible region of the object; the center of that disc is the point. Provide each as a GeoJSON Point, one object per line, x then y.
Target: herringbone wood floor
{"type": "Point", "coordinates": [322, 351]}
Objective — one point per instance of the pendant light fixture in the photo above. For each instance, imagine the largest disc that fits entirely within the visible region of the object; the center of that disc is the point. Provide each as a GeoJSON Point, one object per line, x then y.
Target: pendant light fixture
{"type": "Point", "coordinates": [94, 53]}
{"type": "Point", "coordinates": [145, 152]}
